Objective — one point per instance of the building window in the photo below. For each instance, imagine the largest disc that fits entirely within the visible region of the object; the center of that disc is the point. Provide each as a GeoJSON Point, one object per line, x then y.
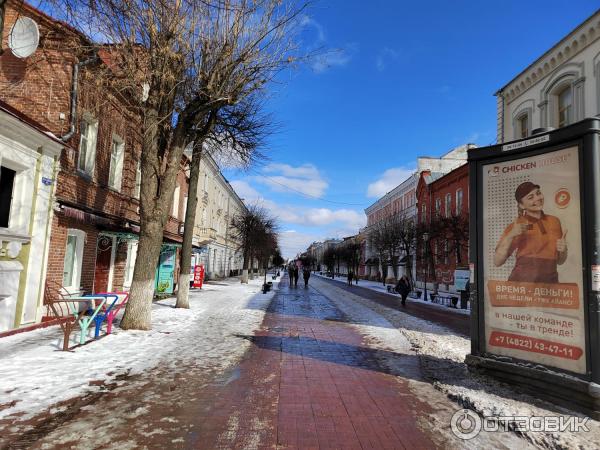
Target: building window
{"type": "Point", "coordinates": [435, 253]}
{"type": "Point", "coordinates": [184, 209]}
{"type": "Point", "coordinates": [459, 201]}
{"type": "Point", "coordinates": [523, 125]}
{"type": "Point", "coordinates": [132, 247]}
{"type": "Point", "coordinates": [138, 180]}
{"type": "Point", "coordinates": [7, 181]}
{"type": "Point", "coordinates": [446, 252]}
{"type": "Point", "coordinates": [448, 205]}
{"type": "Point", "coordinates": [438, 207]}
{"type": "Point", "coordinates": [175, 212]}
{"type": "Point", "coordinates": [88, 130]}
{"type": "Point", "coordinates": [73, 260]}
{"type": "Point", "coordinates": [565, 106]}
{"type": "Point", "coordinates": [117, 151]}
{"type": "Point", "coordinates": [423, 214]}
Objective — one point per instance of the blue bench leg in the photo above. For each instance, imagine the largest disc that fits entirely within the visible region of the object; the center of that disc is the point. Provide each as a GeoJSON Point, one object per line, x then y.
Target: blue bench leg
{"type": "Point", "coordinates": [98, 321]}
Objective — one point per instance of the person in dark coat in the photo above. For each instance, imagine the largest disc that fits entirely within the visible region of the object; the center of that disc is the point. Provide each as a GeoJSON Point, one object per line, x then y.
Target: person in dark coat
{"type": "Point", "coordinates": [291, 274]}
{"type": "Point", "coordinates": [350, 276]}
{"type": "Point", "coordinates": [306, 276]}
{"type": "Point", "coordinates": [296, 275]}
{"type": "Point", "coordinates": [403, 288]}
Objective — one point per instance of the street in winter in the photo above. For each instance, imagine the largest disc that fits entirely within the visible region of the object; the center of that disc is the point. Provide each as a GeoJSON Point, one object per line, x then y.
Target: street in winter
{"type": "Point", "coordinates": [279, 224]}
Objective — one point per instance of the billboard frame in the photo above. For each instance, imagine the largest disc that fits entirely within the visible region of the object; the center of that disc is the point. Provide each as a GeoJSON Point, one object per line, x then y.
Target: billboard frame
{"type": "Point", "coordinates": [579, 391]}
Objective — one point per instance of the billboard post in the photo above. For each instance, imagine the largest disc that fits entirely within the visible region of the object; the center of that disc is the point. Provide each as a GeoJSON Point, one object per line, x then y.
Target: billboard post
{"type": "Point", "coordinates": [535, 265]}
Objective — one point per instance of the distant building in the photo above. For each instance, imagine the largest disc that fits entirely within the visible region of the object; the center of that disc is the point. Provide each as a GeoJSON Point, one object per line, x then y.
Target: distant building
{"type": "Point", "coordinates": [403, 200]}
{"type": "Point", "coordinates": [214, 244]}
{"type": "Point", "coordinates": [445, 197]}
{"type": "Point", "coordinates": [559, 88]}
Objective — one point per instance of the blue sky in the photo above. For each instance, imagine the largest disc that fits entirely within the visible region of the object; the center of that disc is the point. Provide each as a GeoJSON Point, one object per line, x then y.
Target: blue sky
{"type": "Point", "coordinates": [409, 79]}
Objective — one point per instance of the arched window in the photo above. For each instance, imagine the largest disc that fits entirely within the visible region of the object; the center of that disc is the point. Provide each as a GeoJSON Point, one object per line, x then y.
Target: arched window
{"type": "Point", "coordinates": [523, 126]}
{"type": "Point", "coordinates": [565, 106]}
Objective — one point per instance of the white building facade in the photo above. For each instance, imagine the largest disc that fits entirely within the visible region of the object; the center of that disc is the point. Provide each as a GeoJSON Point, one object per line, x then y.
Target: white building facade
{"type": "Point", "coordinates": [559, 88]}
{"type": "Point", "coordinates": [215, 247]}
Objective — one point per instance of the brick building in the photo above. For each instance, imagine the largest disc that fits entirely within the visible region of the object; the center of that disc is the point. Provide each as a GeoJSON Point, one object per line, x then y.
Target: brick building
{"type": "Point", "coordinates": [443, 212]}
{"type": "Point", "coordinates": [95, 207]}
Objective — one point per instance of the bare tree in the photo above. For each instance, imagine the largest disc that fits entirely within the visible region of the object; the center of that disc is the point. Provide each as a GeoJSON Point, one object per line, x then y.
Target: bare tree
{"type": "Point", "coordinates": [253, 229]}
{"type": "Point", "coordinates": [177, 63]}
{"type": "Point", "coordinates": [231, 133]}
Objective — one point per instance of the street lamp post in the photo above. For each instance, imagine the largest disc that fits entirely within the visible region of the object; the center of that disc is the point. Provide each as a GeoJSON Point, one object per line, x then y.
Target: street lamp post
{"type": "Point", "coordinates": [426, 243]}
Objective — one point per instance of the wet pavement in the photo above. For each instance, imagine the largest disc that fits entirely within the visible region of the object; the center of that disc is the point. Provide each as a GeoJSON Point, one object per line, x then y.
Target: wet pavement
{"type": "Point", "coordinates": [458, 323]}
{"type": "Point", "coordinates": [309, 380]}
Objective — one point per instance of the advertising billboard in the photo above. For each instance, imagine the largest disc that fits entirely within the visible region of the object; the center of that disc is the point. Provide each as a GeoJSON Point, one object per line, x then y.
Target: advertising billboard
{"type": "Point", "coordinates": [532, 259]}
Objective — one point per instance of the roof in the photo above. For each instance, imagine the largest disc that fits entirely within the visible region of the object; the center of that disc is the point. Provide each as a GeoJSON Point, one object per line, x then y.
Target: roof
{"type": "Point", "coordinates": [29, 121]}
{"type": "Point", "coordinates": [550, 50]}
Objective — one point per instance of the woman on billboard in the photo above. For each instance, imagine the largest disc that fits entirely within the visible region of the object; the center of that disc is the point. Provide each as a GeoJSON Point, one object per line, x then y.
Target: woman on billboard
{"type": "Point", "coordinates": [538, 239]}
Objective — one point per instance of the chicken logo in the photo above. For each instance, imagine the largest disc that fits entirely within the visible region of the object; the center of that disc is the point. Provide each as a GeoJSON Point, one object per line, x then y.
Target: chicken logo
{"type": "Point", "coordinates": [562, 198]}
{"type": "Point", "coordinates": [494, 171]}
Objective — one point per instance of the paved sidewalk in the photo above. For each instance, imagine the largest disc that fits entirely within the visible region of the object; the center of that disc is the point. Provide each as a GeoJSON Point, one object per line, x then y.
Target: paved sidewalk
{"type": "Point", "coordinates": [311, 382]}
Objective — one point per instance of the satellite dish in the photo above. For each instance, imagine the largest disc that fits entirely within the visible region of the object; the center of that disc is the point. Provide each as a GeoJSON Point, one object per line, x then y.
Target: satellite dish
{"type": "Point", "coordinates": [24, 37]}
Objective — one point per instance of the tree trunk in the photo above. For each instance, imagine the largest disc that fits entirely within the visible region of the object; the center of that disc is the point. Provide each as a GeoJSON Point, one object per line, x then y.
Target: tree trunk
{"type": "Point", "coordinates": [188, 233]}
{"type": "Point", "coordinates": [245, 269]}
{"type": "Point", "coordinates": [159, 176]}
{"type": "Point", "coordinates": [138, 312]}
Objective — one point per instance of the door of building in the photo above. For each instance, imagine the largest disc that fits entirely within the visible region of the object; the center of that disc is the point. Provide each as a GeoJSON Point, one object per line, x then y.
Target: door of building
{"type": "Point", "coordinates": [104, 263]}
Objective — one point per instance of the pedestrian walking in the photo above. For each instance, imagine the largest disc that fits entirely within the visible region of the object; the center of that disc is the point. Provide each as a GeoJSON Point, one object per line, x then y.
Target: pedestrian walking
{"type": "Point", "coordinates": [403, 288]}
{"type": "Point", "coordinates": [306, 276]}
{"type": "Point", "coordinates": [350, 275]}
{"type": "Point", "coordinates": [291, 274]}
{"type": "Point", "coordinates": [296, 275]}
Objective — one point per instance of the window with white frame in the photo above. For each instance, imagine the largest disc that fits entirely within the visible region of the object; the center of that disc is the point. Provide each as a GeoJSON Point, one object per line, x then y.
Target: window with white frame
{"type": "Point", "coordinates": [435, 253]}
{"type": "Point", "coordinates": [138, 180]}
{"type": "Point", "coordinates": [438, 206]}
{"type": "Point", "coordinates": [565, 106]}
{"type": "Point", "coordinates": [423, 214]}
{"type": "Point", "coordinates": [523, 126]}
{"type": "Point", "coordinates": [175, 211]}
{"type": "Point", "coordinates": [184, 209]}
{"type": "Point", "coordinates": [448, 210]}
{"type": "Point", "coordinates": [132, 247]}
{"type": "Point", "coordinates": [73, 260]}
{"type": "Point", "coordinates": [446, 252]}
{"type": "Point", "coordinates": [459, 201]}
{"type": "Point", "coordinates": [7, 182]}
{"type": "Point", "coordinates": [88, 130]}
{"type": "Point", "coordinates": [117, 152]}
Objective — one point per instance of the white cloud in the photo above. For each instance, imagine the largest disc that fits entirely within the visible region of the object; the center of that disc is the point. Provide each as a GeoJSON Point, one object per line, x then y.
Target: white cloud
{"type": "Point", "coordinates": [306, 21]}
{"type": "Point", "coordinates": [292, 242]}
{"type": "Point", "coordinates": [245, 191]}
{"type": "Point", "coordinates": [388, 181]}
{"type": "Point", "coordinates": [305, 179]}
{"type": "Point", "coordinates": [385, 55]}
{"type": "Point", "coordinates": [333, 58]}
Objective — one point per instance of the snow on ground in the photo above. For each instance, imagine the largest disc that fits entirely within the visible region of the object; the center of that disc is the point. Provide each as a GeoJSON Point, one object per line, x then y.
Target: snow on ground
{"type": "Point", "coordinates": [442, 354]}
{"type": "Point", "coordinates": [35, 374]}
{"type": "Point", "coordinates": [381, 288]}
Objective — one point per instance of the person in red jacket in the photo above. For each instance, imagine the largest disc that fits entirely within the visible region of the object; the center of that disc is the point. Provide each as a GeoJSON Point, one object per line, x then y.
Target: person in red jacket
{"type": "Point", "coordinates": [538, 239]}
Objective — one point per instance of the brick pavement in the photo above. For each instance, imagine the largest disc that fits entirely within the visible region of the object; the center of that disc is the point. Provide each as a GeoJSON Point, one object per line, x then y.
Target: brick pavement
{"type": "Point", "coordinates": [310, 381]}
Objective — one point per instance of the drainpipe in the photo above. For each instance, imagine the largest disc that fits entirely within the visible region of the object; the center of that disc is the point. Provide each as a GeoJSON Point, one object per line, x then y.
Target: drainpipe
{"type": "Point", "coordinates": [500, 94]}
{"type": "Point", "coordinates": [74, 93]}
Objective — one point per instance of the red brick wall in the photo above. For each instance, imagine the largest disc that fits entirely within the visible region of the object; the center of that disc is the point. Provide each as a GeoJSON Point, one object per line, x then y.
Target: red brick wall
{"type": "Point", "coordinates": [427, 195]}
{"type": "Point", "coordinates": [58, 245]}
{"type": "Point", "coordinates": [40, 86]}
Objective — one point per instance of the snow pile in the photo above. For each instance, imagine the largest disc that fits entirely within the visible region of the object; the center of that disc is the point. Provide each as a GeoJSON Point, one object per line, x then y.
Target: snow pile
{"type": "Point", "coordinates": [441, 356]}
{"type": "Point", "coordinates": [35, 374]}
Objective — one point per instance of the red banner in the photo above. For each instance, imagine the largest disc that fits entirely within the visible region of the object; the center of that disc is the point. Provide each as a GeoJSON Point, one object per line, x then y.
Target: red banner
{"type": "Point", "coordinates": [529, 344]}
{"type": "Point", "coordinates": [539, 295]}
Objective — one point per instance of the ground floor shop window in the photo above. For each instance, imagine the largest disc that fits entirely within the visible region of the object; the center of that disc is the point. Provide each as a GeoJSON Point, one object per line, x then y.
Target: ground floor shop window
{"type": "Point", "coordinates": [73, 260]}
{"type": "Point", "coordinates": [132, 247]}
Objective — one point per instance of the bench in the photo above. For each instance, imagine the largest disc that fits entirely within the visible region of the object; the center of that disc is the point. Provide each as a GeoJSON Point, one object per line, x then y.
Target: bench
{"type": "Point", "coordinates": [109, 310]}
{"type": "Point", "coordinates": [68, 308]}
{"type": "Point", "coordinates": [448, 300]}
